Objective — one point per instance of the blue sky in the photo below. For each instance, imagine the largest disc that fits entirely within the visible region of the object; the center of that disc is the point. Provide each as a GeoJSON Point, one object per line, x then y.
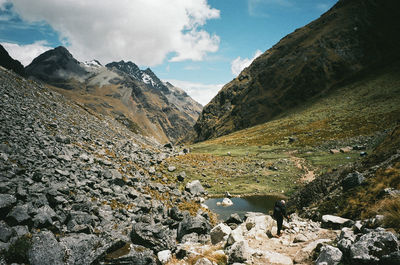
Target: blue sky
{"type": "Point", "coordinates": [197, 45]}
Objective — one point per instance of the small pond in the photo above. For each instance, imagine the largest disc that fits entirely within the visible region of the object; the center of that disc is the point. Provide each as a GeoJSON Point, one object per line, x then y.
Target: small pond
{"type": "Point", "coordinates": [262, 204]}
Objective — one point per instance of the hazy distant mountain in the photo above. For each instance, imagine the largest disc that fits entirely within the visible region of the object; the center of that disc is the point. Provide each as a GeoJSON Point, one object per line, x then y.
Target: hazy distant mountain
{"type": "Point", "coordinates": [136, 98]}
{"type": "Point", "coordinates": [9, 63]}
{"type": "Point", "coordinates": [353, 38]}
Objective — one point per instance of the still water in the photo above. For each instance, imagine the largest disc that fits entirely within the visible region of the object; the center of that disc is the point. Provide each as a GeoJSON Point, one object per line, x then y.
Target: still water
{"type": "Point", "coordinates": [262, 204]}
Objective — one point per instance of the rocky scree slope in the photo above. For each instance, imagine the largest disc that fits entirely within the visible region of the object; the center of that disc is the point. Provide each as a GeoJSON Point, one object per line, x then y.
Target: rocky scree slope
{"type": "Point", "coordinates": [136, 98]}
{"type": "Point", "coordinates": [77, 187]}
{"type": "Point", "coordinates": [351, 40]}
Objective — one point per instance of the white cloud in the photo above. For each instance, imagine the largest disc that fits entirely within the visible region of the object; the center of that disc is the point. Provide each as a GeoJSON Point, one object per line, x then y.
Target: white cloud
{"type": "Point", "coordinates": [202, 93]}
{"type": "Point", "coordinates": [26, 53]}
{"type": "Point", "coordinates": [141, 31]}
{"type": "Point", "coordinates": [239, 64]}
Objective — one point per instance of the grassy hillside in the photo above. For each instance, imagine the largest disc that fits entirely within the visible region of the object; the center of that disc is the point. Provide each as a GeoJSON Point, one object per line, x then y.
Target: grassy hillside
{"type": "Point", "coordinates": [294, 148]}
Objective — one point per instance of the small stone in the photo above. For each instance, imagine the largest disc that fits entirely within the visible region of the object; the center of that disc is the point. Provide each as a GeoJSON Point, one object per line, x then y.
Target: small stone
{"type": "Point", "coordinates": [171, 168]}
{"type": "Point", "coordinates": [164, 256]}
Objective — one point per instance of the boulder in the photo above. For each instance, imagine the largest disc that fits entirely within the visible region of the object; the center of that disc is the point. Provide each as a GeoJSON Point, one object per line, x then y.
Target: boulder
{"type": "Point", "coordinates": [44, 217]}
{"type": "Point", "coordinates": [7, 202]}
{"type": "Point", "coordinates": [234, 219]}
{"type": "Point", "coordinates": [226, 202]}
{"type": "Point", "coordinates": [171, 168]}
{"type": "Point", "coordinates": [193, 224]}
{"type": "Point", "coordinates": [300, 238]}
{"type": "Point", "coordinates": [329, 256]}
{"type": "Point", "coordinates": [19, 215]}
{"type": "Point", "coordinates": [352, 180]}
{"type": "Point", "coordinates": [137, 255]}
{"type": "Point", "coordinates": [371, 247]}
{"type": "Point", "coordinates": [239, 252]}
{"type": "Point", "coordinates": [220, 233]}
{"type": "Point", "coordinates": [235, 236]}
{"type": "Point", "coordinates": [155, 237]}
{"type": "Point", "coordinates": [195, 188]}
{"type": "Point", "coordinates": [304, 253]}
{"type": "Point", "coordinates": [5, 232]}
{"type": "Point", "coordinates": [82, 249]}
{"type": "Point", "coordinates": [335, 222]}
{"type": "Point", "coordinates": [45, 250]}
{"type": "Point", "coordinates": [164, 256]}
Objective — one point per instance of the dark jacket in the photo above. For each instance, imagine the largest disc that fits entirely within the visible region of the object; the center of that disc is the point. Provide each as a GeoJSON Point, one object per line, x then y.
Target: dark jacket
{"type": "Point", "coordinates": [279, 210]}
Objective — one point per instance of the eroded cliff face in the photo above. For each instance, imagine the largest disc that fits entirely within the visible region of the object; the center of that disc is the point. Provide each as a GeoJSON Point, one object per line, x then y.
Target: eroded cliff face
{"type": "Point", "coordinates": [351, 39]}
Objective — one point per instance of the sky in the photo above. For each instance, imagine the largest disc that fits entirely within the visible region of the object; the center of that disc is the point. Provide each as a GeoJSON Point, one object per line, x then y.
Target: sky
{"type": "Point", "coordinates": [197, 45]}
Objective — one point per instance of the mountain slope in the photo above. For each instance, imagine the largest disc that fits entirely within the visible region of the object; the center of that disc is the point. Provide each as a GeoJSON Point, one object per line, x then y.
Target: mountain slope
{"type": "Point", "coordinates": [9, 63]}
{"type": "Point", "coordinates": [134, 97]}
{"type": "Point", "coordinates": [353, 37]}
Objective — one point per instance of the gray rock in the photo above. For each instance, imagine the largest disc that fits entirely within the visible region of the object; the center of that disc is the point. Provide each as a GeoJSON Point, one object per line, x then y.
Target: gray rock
{"type": "Point", "coordinates": [391, 259]}
{"type": "Point", "coordinates": [220, 233]}
{"type": "Point", "coordinates": [155, 237]}
{"type": "Point", "coordinates": [171, 168]}
{"type": "Point", "coordinates": [329, 256]}
{"type": "Point", "coordinates": [371, 247]}
{"type": "Point", "coordinates": [352, 180]}
{"type": "Point", "coordinates": [5, 232]}
{"type": "Point", "coordinates": [81, 249]}
{"type": "Point", "coordinates": [137, 255]}
{"type": "Point", "coordinates": [190, 224]}
{"type": "Point", "coordinates": [300, 238]}
{"type": "Point", "coordinates": [164, 256]}
{"type": "Point", "coordinates": [7, 202]}
{"type": "Point", "coordinates": [181, 176]}
{"type": "Point", "coordinates": [234, 219]}
{"type": "Point", "coordinates": [335, 222]}
{"type": "Point", "coordinates": [19, 215]}
{"type": "Point", "coordinates": [45, 250]}
{"type": "Point", "coordinates": [79, 221]}
{"type": "Point", "coordinates": [44, 217]}
{"type": "Point", "coordinates": [239, 252]}
{"type": "Point", "coordinates": [195, 188]}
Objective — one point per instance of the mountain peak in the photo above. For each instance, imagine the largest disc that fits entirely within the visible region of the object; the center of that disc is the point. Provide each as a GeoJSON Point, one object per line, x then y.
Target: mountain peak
{"type": "Point", "coordinates": [8, 62]}
{"type": "Point", "coordinates": [52, 66]}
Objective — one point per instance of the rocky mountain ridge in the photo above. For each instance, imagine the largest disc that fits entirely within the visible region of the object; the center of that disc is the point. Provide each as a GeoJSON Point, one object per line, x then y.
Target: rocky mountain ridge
{"type": "Point", "coordinates": [9, 63]}
{"type": "Point", "coordinates": [349, 41]}
{"type": "Point", "coordinates": [136, 98]}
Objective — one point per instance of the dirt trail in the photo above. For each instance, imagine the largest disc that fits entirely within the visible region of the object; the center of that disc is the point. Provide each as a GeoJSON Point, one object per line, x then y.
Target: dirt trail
{"type": "Point", "coordinates": [300, 163]}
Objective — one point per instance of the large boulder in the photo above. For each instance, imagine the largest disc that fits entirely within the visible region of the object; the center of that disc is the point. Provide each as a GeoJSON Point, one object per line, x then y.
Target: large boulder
{"type": "Point", "coordinates": [220, 233]}
{"type": "Point", "coordinates": [195, 188]}
{"type": "Point", "coordinates": [235, 236]}
{"type": "Point", "coordinates": [155, 237]}
{"type": "Point", "coordinates": [335, 222]}
{"type": "Point", "coordinates": [276, 258]}
{"type": "Point", "coordinates": [329, 256]}
{"type": "Point", "coordinates": [240, 252]}
{"type": "Point", "coordinates": [193, 224]}
{"type": "Point", "coordinates": [82, 249]}
{"type": "Point", "coordinates": [46, 250]}
{"type": "Point", "coordinates": [371, 247]}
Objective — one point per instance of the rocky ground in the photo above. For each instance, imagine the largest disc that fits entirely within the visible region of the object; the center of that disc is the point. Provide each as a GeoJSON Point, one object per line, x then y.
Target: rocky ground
{"type": "Point", "coordinates": [79, 188]}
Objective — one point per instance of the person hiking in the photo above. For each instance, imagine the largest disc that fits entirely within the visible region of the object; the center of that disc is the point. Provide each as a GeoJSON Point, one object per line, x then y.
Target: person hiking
{"type": "Point", "coordinates": [279, 213]}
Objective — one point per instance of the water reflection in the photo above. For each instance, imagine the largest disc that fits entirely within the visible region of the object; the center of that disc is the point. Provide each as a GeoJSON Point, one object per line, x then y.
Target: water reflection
{"type": "Point", "coordinates": [262, 204]}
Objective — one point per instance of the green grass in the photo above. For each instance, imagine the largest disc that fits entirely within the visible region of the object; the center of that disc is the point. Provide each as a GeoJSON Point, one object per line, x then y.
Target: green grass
{"type": "Point", "coordinates": [352, 114]}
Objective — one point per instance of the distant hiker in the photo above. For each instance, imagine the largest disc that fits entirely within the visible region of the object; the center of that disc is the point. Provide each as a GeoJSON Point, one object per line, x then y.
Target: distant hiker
{"type": "Point", "coordinates": [279, 213]}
